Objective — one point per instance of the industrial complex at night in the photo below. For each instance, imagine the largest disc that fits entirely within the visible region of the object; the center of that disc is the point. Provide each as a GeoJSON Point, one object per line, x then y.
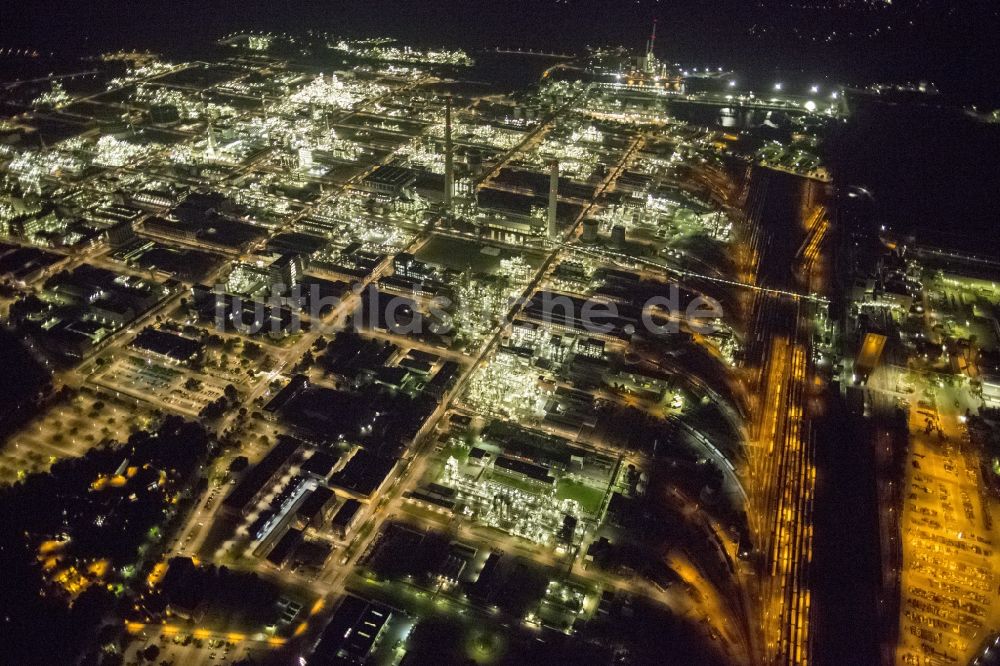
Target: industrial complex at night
{"type": "Point", "coordinates": [352, 350]}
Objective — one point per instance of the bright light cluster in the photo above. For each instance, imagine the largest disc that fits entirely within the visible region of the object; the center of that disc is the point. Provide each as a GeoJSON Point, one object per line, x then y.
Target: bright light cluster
{"type": "Point", "coordinates": [535, 515]}
{"type": "Point", "coordinates": [144, 71]}
{"type": "Point", "coordinates": [381, 50]}
{"type": "Point", "coordinates": [507, 387]}
{"type": "Point", "coordinates": [480, 134]}
{"type": "Point", "coordinates": [55, 98]}
{"type": "Point", "coordinates": [32, 167]}
{"type": "Point", "coordinates": [114, 153]}
{"type": "Point", "coordinates": [330, 92]}
{"type": "Point", "coordinates": [188, 107]}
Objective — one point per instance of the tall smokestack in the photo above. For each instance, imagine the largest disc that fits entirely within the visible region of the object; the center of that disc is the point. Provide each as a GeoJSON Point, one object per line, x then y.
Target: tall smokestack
{"type": "Point", "coordinates": [553, 198]}
{"type": "Point", "coordinates": [449, 157]}
{"type": "Point", "coordinates": [650, 58]}
{"type": "Point", "coordinates": [210, 143]}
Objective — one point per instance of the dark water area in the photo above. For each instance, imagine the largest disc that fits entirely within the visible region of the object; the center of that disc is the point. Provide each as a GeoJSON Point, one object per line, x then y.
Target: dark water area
{"type": "Point", "coordinates": [932, 172]}
{"type": "Point", "coordinates": [506, 73]}
{"type": "Point", "coordinates": [725, 118]}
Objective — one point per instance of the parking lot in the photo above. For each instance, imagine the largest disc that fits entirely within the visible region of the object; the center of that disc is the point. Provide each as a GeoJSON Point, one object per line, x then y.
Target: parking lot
{"type": "Point", "coordinates": [170, 387]}
{"type": "Point", "coordinates": [68, 429]}
{"type": "Point", "coordinates": [949, 580]}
